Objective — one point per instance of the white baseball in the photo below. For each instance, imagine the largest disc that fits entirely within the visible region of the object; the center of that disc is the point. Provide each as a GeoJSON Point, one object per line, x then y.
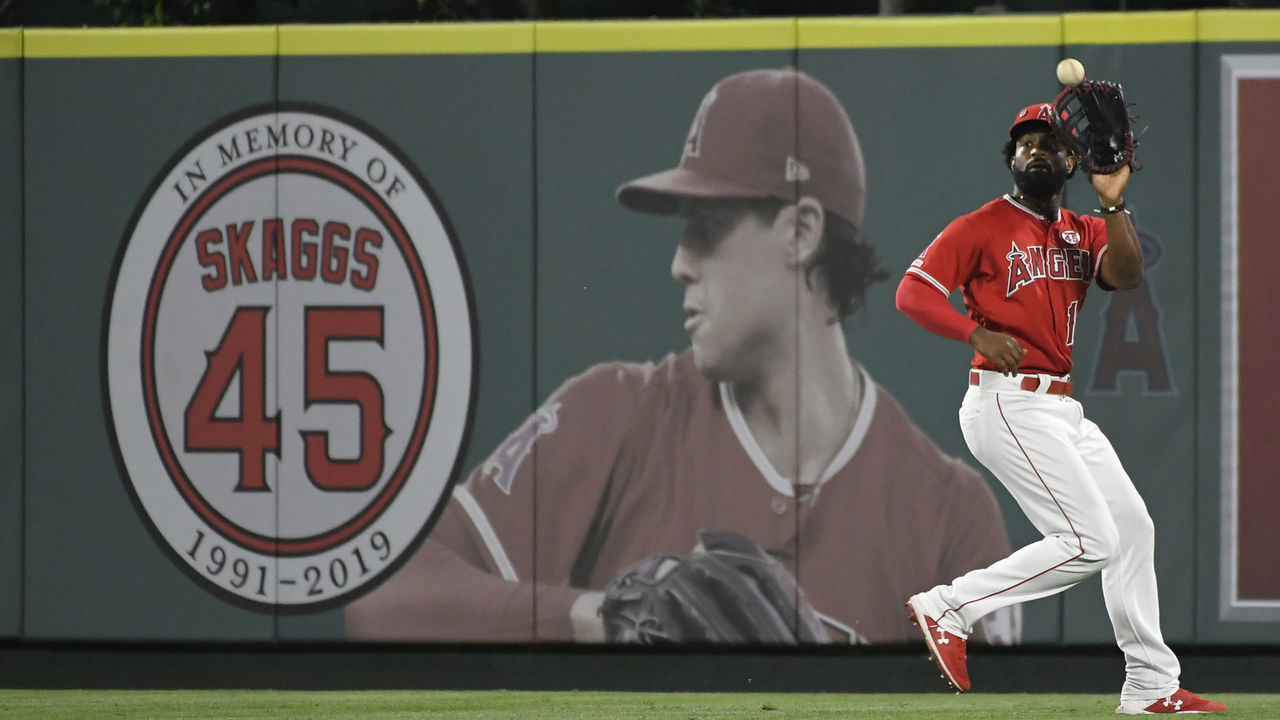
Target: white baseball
{"type": "Point", "coordinates": [1070, 71]}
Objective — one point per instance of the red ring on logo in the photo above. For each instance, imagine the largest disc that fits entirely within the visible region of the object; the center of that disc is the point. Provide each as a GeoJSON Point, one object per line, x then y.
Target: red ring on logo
{"type": "Point", "coordinates": [230, 530]}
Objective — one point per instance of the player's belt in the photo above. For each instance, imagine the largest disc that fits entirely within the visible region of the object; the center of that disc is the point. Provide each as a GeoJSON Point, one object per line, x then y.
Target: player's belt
{"type": "Point", "coordinates": [1030, 383]}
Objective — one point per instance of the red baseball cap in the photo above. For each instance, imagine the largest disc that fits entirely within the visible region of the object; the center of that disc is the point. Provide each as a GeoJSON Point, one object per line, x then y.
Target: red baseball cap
{"type": "Point", "coordinates": [1040, 112]}
{"type": "Point", "coordinates": [762, 133]}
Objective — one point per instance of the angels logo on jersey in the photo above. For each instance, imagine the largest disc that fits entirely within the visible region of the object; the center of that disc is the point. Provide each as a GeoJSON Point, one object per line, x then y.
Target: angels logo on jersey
{"type": "Point", "coordinates": [1037, 262]}
{"type": "Point", "coordinates": [289, 357]}
{"type": "Point", "coordinates": [505, 461]}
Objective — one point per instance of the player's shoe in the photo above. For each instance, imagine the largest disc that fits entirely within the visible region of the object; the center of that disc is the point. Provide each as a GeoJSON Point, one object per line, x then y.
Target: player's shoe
{"type": "Point", "coordinates": [946, 649]}
{"type": "Point", "coordinates": [1181, 702]}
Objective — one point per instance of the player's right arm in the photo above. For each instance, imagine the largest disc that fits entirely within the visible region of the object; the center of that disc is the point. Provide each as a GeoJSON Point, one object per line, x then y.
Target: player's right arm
{"type": "Point", "coordinates": [922, 296]}
{"type": "Point", "coordinates": [484, 574]}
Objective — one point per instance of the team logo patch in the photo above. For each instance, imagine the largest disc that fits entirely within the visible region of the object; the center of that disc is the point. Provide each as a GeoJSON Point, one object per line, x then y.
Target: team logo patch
{"type": "Point", "coordinates": [289, 357]}
{"type": "Point", "coordinates": [505, 461]}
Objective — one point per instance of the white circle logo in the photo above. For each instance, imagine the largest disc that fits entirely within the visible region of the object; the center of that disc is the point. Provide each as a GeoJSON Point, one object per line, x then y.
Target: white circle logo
{"type": "Point", "coordinates": [289, 357]}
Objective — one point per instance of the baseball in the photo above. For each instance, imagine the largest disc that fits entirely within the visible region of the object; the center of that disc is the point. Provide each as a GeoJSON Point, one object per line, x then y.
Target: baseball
{"type": "Point", "coordinates": [1070, 71]}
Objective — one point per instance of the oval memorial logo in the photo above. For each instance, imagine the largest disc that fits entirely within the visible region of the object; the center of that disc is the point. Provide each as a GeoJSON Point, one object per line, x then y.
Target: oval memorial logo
{"type": "Point", "coordinates": [289, 357]}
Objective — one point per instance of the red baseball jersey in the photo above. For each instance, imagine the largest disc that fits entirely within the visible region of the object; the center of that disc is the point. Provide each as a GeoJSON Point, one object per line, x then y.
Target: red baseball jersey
{"type": "Point", "coordinates": [627, 460]}
{"type": "Point", "coordinates": [1021, 274]}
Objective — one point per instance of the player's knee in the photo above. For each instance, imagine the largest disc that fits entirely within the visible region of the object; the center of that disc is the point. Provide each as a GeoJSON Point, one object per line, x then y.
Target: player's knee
{"type": "Point", "coordinates": [1100, 545]}
{"type": "Point", "coordinates": [1088, 552]}
{"type": "Point", "coordinates": [1100, 552]}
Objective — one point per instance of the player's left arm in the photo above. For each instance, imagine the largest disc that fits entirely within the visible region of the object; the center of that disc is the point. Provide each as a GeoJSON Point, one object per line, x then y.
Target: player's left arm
{"type": "Point", "coordinates": [1121, 267]}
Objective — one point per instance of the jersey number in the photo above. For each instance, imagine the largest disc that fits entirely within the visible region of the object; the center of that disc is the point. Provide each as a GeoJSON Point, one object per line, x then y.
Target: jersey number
{"type": "Point", "coordinates": [1073, 311]}
{"type": "Point", "coordinates": [253, 433]}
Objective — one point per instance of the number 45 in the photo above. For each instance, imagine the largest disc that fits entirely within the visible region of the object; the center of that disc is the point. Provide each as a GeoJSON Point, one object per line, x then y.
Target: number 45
{"type": "Point", "coordinates": [253, 433]}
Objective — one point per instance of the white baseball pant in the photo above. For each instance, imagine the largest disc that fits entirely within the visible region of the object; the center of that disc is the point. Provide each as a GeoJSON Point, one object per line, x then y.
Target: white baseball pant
{"type": "Point", "coordinates": [1066, 477]}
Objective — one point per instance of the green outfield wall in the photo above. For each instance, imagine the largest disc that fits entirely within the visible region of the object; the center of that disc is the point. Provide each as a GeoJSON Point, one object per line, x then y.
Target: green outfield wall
{"type": "Point", "coordinates": [232, 251]}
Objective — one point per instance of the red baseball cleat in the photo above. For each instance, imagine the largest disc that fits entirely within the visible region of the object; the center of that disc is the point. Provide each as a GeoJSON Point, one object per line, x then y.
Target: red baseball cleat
{"type": "Point", "coordinates": [1182, 701]}
{"type": "Point", "coordinates": [946, 649]}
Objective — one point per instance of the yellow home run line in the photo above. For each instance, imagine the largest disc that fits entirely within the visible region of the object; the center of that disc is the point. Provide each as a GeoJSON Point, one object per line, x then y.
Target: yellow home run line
{"type": "Point", "coordinates": [1238, 25]}
{"type": "Point", "coordinates": [1128, 28]}
{"type": "Point", "coordinates": [150, 42]}
{"type": "Point", "coordinates": [667, 35]}
{"type": "Point", "coordinates": [407, 39]}
{"type": "Point", "coordinates": [10, 43]}
{"type": "Point", "coordinates": [1115, 28]}
{"type": "Point", "coordinates": [931, 31]}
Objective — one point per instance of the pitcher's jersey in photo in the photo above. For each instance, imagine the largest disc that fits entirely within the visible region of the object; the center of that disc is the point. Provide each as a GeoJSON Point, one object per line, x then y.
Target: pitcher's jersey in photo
{"type": "Point", "coordinates": [1021, 274]}
{"type": "Point", "coordinates": [627, 460]}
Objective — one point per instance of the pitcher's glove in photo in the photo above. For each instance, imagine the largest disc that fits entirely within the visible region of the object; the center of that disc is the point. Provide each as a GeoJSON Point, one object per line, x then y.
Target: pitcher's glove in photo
{"type": "Point", "coordinates": [1092, 119]}
{"type": "Point", "coordinates": [728, 590]}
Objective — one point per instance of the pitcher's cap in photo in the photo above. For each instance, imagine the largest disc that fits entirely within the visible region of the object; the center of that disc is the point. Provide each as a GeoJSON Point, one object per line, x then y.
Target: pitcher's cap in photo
{"type": "Point", "coordinates": [763, 133]}
{"type": "Point", "coordinates": [1040, 112]}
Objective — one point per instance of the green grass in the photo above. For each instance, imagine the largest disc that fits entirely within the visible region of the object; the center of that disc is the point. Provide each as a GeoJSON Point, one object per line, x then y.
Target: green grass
{"type": "Point", "coordinates": [377, 705]}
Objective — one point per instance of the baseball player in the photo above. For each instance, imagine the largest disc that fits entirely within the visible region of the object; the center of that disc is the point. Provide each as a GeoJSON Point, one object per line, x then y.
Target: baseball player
{"type": "Point", "coordinates": [1025, 263]}
{"type": "Point", "coordinates": [631, 459]}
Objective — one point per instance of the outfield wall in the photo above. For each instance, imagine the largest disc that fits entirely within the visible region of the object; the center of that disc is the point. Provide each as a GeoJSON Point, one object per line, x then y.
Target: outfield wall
{"type": "Point", "coordinates": [495, 150]}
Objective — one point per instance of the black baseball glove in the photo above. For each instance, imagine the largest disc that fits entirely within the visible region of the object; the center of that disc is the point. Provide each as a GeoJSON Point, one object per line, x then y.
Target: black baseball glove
{"type": "Point", "coordinates": [727, 590]}
{"type": "Point", "coordinates": [1092, 119]}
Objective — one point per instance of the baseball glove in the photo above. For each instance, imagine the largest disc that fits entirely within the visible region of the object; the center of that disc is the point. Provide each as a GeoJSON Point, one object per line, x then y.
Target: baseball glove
{"type": "Point", "coordinates": [727, 590]}
{"type": "Point", "coordinates": [1092, 119]}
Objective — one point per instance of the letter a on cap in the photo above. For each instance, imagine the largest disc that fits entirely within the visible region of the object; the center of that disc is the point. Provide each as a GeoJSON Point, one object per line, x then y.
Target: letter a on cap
{"type": "Point", "coordinates": [1040, 112]}
{"type": "Point", "coordinates": [693, 143]}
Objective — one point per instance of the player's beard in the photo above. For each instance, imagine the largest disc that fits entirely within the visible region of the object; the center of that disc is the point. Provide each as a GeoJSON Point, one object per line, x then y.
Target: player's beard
{"type": "Point", "coordinates": [1041, 184]}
